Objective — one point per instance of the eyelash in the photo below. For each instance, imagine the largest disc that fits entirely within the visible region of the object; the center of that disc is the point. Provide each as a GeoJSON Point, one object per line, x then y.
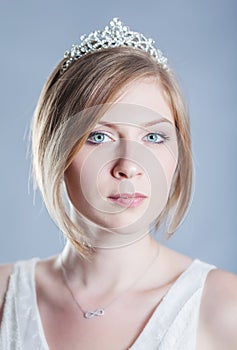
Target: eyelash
{"type": "Point", "coordinates": [95, 133]}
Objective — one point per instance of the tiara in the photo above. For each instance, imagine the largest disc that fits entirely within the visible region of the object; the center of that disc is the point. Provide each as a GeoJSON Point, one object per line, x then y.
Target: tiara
{"type": "Point", "coordinates": [114, 35]}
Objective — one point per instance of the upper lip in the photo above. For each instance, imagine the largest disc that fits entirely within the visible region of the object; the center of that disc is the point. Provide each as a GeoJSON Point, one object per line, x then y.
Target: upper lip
{"type": "Point", "coordinates": [128, 195]}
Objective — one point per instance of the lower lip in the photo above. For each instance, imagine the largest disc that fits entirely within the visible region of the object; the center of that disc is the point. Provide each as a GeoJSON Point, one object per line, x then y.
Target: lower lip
{"type": "Point", "coordinates": [128, 202]}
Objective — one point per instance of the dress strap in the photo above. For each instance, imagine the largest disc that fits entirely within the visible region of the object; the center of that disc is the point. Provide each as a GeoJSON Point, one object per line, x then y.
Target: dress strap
{"type": "Point", "coordinates": [19, 329]}
{"type": "Point", "coordinates": [173, 324]}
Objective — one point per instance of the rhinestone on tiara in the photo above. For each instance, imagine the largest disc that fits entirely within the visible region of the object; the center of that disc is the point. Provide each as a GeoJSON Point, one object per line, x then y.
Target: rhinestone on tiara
{"type": "Point", "coordinates": [114, 35]}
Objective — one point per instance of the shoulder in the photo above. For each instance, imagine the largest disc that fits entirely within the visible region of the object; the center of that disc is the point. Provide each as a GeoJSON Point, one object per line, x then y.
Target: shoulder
{"type": "Point", "coordinates": [218, 311]}
{"type": "Point", "coordinates": [5, 272]}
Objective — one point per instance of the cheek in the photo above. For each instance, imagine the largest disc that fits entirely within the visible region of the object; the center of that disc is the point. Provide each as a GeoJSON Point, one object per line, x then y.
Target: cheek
{"type": "Point", "coordinates": [86, 178]}
{"type": "Point", "coordinates": [167, 157]}
{"type": "Point", "coordinates": [171, 159]}
{"type": "Point", "coordinates": [72, 182]}
{"type": "Point", "coordinates": [89, 178]}
{"type": "Point", "coordinates": [72, 177]}
{"type": "Point", "coordinates": [168, 164]}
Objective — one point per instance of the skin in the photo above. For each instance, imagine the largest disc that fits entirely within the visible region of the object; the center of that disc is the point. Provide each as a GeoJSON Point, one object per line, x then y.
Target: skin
{"type": "Point", "coordinates": [128, 154]}
{"type": "Point", "coordinates": [110, 271]}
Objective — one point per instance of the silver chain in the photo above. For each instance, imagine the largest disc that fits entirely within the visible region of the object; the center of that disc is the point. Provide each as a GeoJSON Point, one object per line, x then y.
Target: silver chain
{"type": "Point", "coordinates": [101, 311]}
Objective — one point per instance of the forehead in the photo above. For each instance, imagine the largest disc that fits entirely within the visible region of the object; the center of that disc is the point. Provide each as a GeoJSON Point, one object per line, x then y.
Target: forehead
{"type": "Point", "coordinates": [140, 102]}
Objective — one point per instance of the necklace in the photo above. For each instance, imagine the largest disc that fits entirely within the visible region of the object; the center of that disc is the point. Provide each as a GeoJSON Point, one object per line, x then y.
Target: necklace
{"type": "Point", "coordinates": [100, 311]}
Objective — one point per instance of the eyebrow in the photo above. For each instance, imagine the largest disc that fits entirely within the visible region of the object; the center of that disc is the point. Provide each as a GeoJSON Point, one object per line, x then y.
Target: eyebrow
{"type": "Point", "coordinates": [153, 122]}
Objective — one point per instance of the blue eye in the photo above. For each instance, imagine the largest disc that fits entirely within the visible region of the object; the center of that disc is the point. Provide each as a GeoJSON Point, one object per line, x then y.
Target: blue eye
{"type": "Point", "coordinates": [98, 137]}
{"type": "Point", "coordinates": [155, 137]}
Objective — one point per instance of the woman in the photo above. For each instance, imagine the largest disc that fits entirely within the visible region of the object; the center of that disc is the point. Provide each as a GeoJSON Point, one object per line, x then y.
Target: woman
{"type": "Point", "coordinates": [112, 157]}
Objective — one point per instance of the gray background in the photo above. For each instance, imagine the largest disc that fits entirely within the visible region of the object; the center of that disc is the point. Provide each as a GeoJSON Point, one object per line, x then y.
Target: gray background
{"type": "Point", "coordinates": [199, 37]}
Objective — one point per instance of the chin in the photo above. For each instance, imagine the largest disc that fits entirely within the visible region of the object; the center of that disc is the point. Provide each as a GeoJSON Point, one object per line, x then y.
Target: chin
{"type": "Point", "coordinates": [124, 223]}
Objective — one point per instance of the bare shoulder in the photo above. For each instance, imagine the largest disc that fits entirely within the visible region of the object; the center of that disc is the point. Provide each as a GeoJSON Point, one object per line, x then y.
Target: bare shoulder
{"type": "Point", "coordinates": [5, 272]}
{"type": "Point", "coordinates": [218, 311]}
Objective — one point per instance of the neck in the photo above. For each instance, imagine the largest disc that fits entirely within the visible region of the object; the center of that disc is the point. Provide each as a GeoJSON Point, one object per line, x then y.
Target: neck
{"type": "Point", "coordinates": [109, 268]}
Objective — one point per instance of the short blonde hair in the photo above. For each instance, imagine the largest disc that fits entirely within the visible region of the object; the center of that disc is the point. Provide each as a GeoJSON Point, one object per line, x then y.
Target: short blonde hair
{"type": "Point", "coordinates": [94, 80]}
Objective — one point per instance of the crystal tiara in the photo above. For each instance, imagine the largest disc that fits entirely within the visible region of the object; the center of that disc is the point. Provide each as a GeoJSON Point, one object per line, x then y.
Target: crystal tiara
{"type": "Point", "coordinates": [114, 35]}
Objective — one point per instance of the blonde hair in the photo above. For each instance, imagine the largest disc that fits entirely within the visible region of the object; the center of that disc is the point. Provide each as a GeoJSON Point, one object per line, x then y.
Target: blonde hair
{"type": "Point", "coordinates": [94, 80]}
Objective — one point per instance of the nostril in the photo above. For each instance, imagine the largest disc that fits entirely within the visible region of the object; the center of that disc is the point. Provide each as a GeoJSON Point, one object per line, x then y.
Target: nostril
{"type": "Point", "coordinates": [125, 169]}
{"type": "Point", "coordinates": [121, 174]}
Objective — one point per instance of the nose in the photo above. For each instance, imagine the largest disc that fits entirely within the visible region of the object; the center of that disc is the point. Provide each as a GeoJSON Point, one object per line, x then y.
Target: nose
{"type": "Point", "coordinates": [126, 169]}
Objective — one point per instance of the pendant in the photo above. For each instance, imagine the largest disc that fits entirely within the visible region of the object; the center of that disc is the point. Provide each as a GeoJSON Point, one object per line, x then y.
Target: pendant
{"type": "Point", "coordinates": [91, 314]}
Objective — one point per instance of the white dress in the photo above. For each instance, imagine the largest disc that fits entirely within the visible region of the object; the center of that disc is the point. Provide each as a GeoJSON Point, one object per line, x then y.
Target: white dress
{"type": "Point", "coordinates": [172, 326]}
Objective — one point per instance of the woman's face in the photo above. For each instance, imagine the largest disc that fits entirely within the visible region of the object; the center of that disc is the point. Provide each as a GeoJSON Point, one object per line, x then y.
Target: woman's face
{"type": "Point", "coordinates": [121, 177]}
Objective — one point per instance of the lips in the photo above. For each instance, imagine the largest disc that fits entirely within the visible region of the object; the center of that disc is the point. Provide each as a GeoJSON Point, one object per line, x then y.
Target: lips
{"type": "Point", "coordinates": [127, 199]}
